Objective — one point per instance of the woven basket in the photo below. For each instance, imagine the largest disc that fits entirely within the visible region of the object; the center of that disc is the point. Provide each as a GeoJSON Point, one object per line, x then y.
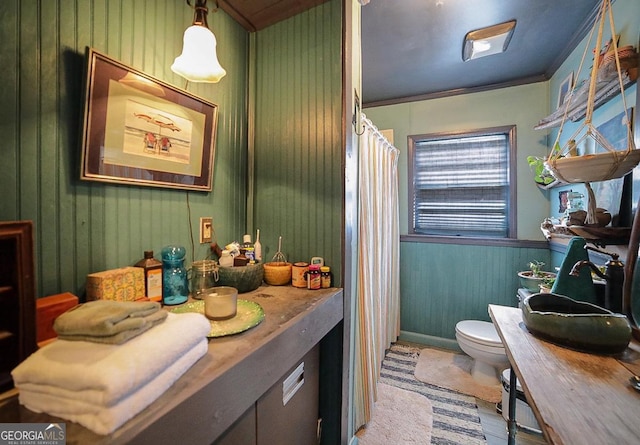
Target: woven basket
{"type": "Point", "coordinates": [277, 274]}
{"type": "Point", "coordinates": [244, 278]}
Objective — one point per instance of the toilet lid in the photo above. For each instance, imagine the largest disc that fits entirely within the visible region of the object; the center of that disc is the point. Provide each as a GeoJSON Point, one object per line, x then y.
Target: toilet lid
{"type": "Point", "coordinates": [479, 331]}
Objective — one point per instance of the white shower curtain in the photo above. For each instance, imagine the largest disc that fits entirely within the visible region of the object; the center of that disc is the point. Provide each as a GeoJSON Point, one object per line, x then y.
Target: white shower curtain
{"type": "Point", "coordinates": [378, 282]}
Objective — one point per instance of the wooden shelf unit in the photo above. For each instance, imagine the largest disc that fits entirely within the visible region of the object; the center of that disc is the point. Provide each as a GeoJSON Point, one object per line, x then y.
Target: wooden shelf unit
{"type": "Point", "coordinates": [17, 297]}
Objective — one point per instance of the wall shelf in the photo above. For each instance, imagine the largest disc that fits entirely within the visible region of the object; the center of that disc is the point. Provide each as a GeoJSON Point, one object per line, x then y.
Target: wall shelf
{"type": "Point", "coordinates": [599, 236]}
{"type": "Point", "coordinates": [607, 87]}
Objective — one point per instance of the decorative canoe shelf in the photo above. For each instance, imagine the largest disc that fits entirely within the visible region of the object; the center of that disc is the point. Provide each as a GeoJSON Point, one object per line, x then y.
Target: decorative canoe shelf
{"type": "Point", "coordinates": [607, 87]}
{"type": "Point", "coordinates": [599, 236]}
{"type": "Point", "coordinates": [594, 167]}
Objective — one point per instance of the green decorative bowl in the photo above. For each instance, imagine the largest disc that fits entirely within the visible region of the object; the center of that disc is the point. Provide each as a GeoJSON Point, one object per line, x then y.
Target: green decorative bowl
{"type": "Point", "coordinates": [575, 324]}
{"type": "Point", "coordinates": [244, 278]}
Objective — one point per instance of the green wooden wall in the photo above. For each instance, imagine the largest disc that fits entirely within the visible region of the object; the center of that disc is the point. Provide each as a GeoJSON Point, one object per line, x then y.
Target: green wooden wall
{"type": "Point", "coordinates": [83, 227]}
{"type": "Point", "coordinates": [441, 284]}
{"type": "Point", "coordinates": [298, 136]}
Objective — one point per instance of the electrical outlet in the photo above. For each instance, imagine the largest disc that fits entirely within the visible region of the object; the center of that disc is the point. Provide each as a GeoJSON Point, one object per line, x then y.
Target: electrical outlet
{"type": "Point", "coordinates": [206, 230]}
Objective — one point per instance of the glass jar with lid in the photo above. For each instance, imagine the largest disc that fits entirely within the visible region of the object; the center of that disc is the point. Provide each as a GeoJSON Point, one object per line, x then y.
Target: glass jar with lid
{"type": "Point", "coordinates": [175, 284]}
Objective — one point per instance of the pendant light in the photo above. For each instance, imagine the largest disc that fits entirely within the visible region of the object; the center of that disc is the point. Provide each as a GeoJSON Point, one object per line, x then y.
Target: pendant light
{"type": "Point", "coordinates": [198, 61]}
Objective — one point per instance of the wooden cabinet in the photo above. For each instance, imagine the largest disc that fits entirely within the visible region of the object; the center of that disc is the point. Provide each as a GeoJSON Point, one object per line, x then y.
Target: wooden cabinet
{"type": "Point", "coordinates": [287, 413]}
{"type": "Point", "coordinates": [234, 394]}
{"type": "Point", "coordinates": [242, 432]}
{"type": "Point", "coordinates": [17, 297]}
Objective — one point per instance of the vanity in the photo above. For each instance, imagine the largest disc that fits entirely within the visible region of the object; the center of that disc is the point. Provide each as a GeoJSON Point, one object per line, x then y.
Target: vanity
{"type": "Point", "coordinates": [577, 397]}
{"type": "Point", "coordinates": [236, 393]}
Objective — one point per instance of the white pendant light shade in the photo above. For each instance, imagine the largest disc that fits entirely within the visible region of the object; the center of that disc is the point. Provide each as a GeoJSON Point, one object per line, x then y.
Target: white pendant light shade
{"type": "Point", "coordinates": [198, 61]}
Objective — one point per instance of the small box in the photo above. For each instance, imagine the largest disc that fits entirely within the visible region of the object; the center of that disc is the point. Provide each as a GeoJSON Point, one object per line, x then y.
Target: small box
{"type": "Point", "coordinates": [124, 284]}
{"type": "Point", "coordinates": [47, 310]}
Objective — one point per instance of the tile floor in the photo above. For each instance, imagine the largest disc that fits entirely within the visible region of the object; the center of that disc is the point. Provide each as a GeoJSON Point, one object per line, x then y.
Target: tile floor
{"type": "Point", "coordinates": [495, 427]}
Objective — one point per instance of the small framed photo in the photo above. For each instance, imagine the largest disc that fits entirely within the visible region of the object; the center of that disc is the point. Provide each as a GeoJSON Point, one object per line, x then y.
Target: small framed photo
{"type": "Point", "coordinates": [565, 89]}
{"type": "Point", "coordinates": [142, 131]}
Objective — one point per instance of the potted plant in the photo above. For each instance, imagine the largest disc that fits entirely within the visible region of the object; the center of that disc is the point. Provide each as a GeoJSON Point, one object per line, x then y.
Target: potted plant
{"type": "Point", "coordinates": [547, 285]}
{"type": "Point", "coordinates": [532, 278]}
{"type": "Point", "coordinates": [541, 174]}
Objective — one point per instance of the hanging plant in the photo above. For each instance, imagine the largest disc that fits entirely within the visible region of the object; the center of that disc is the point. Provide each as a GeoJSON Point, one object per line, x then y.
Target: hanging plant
{"type": "Point", "coordinates": [541, 174]}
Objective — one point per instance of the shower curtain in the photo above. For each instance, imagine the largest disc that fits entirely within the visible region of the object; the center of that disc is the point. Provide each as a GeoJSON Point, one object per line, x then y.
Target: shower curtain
{"type": "Point", "coordinates": [377, 313]}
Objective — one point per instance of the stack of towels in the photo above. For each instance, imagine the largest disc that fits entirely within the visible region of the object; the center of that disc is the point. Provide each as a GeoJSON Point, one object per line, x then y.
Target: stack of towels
{"type": "Point", "coordinates": [105, 321]}
{"type": "Point", "coordinates": [112, 360]}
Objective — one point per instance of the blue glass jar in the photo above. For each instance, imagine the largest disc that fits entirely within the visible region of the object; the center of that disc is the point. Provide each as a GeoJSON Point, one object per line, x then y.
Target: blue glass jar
{"type": "Point", "coordinates": [175, 284]}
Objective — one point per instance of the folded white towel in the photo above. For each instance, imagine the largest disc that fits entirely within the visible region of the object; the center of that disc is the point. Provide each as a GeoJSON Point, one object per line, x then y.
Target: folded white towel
{"type": "Point", "coordinates": [111, 372]}
{"type": "Point", "coordinates": [102, 419]}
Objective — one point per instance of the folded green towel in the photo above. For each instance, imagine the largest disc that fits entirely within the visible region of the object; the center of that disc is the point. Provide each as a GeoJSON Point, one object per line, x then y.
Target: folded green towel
{"type": "Point", "coordinates": [104, 318]}
{"type": "Point", "coordinates": [122, 336]}
{"type": "Point", "coordinates": [581, 287]}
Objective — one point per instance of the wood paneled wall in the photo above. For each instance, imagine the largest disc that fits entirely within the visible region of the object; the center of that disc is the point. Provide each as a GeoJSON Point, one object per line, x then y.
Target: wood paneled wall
{"type": "Point", "coordinates": [442, 284]}
{"type": "Point", "coordinates": [83, 227]}
{"type": "Point", "coordinates": [298, 147]}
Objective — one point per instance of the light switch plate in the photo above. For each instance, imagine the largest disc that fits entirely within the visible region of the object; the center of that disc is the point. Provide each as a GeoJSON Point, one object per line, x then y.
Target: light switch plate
{"type": "Point", "coordinates": [206, 230]}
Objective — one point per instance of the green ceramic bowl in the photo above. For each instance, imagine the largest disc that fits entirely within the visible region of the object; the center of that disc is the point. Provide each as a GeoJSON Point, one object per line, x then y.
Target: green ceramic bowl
{"type": "Point", "coordinates": [575, 324]}
{"type": "Point", "coordinates": [244, 278]}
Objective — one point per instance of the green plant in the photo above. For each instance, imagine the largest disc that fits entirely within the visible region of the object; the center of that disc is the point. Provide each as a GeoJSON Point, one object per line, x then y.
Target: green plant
{"type": "Point", "coordinates": [541, 174]}
{"type": "Point", "coordinates": [548, 282]}
{"type": "Point", "coordinates": [536, 269]}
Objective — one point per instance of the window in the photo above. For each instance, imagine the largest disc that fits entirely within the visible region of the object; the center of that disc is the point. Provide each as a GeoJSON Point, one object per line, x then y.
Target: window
{"type": "Point", "coordinates": [463, 184]}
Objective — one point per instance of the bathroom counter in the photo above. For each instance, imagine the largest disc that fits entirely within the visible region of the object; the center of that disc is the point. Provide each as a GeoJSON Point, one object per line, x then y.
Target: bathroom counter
{"type": "Point", "coordinates": [223, 384]}
{"type": "Point", "coordinates": [576, 397]}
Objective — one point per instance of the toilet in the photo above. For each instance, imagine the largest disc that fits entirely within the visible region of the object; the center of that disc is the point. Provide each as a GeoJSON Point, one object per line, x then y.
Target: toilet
{"type": "Point", "coordinates": [481, 342]}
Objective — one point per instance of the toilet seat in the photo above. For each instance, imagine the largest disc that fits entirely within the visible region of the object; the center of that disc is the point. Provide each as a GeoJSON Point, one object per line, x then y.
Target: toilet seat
{"type": "Point", "coordinates": [479, 332]}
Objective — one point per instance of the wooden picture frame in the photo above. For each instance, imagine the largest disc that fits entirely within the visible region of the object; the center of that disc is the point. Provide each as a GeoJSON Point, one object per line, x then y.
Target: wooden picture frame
{"type": "Point", "coordinates": [142, 131]}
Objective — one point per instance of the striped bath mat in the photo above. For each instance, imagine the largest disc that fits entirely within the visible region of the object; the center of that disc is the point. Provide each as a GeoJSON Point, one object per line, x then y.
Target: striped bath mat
{"type": "Point", "coordinates": [455, 415]}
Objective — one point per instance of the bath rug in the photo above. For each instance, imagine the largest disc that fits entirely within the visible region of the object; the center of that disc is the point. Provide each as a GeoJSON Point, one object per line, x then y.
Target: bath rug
{"type": "Point", "coordinates": [391, 421]}
{"type": "Point", "coordinates": [453, 371]}
{"type": "Point", "coordinates": [455, 416]}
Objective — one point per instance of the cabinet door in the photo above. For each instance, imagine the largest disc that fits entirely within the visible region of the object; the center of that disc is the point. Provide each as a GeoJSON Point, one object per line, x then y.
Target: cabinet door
{"type": "Point", "coordinates": [242, 432]}
{"type": "Point", "coordinates": [288, 412]}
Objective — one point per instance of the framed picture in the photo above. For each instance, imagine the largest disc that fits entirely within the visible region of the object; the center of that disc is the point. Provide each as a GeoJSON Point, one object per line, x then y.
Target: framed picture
{"type": "Point", "coordinates": [140, 130]}
{"type": "Point", "coordinates": [563, 201]}
{"type": "Point", "coordinates": [609, 194]}
{"type": "Point", "coordinates": [565, 89]}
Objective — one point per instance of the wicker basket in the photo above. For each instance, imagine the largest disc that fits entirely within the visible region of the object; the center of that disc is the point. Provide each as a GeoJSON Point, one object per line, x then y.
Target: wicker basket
{"type": "Point", "coordinates": [277, 274]}
{"type": "Point", "coordinates": [244, 278]}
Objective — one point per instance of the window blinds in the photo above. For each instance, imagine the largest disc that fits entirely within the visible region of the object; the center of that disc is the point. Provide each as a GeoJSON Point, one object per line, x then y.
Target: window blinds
{"type": "Point", "coordinates": [461, 186]}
